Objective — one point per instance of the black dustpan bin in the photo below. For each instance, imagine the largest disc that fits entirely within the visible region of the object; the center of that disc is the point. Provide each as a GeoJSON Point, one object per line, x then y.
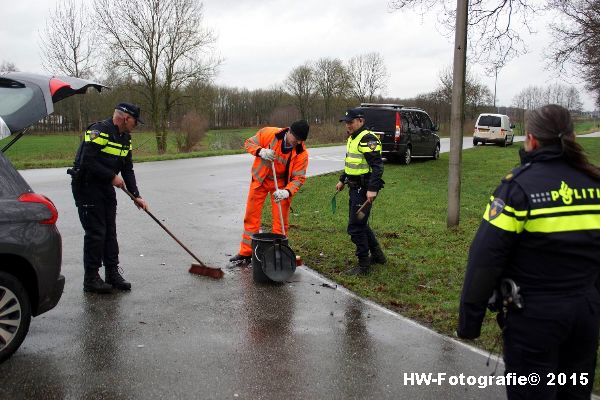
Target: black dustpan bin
{"type": "Point", "coordinates": [279, 262]}
{"type": "Point", "coordinates": [272, 259]}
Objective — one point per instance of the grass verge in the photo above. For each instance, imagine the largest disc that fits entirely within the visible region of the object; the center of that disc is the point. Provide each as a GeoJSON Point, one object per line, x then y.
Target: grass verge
{"type": "Point", "coordinates": [58, 150]}
{"type": "Point", "coordinates": [426, 261]}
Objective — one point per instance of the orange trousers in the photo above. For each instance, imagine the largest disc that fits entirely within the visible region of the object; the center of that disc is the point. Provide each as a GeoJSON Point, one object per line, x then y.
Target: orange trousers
{"type": "Point", "coordinates": [254, 206]}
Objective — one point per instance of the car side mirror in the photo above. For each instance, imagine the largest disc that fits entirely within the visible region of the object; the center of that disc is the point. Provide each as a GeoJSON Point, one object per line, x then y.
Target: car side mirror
{"type": "Point", "coordinates": [435, 128]}
{"type": "Point", "coordinates": [512, 126]}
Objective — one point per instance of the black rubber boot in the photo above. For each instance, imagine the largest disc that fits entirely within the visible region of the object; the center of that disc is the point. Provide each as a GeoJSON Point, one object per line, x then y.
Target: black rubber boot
{"type": "Point", "coordinates": [114, 278]}
{"type": "Point", "coordinates": [94, 284]}
{"type": "Point", "coordinates": [363, 268]}
{"type": "Point", "coordinates": [377, 256]}
{"type": "Point", "coordinates": [240, 259]}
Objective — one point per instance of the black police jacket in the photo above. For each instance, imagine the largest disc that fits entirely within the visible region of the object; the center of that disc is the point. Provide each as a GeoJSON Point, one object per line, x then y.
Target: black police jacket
{"type": "Point", "coordinates": [105, 153]}
{"type": "Point", "coordinates": [541, 228]}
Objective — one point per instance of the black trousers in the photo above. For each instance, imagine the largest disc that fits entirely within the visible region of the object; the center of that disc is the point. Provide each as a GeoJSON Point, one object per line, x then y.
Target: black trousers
{"type": "Point", "coordinates": [97, 208]}
{"type": "Point", "coordinates": [358, 229]}
{"type": "Point", "coordinates": [558, 341]}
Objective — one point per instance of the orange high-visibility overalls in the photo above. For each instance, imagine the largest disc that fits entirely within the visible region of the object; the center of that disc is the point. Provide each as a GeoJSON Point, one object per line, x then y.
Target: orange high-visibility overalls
{"type": "Point", "coordinates": [291, 174]}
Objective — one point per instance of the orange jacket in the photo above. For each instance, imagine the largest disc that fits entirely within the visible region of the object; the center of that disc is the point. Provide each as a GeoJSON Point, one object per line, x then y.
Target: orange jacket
{"type": "Point", "coordinates": [290, 167]}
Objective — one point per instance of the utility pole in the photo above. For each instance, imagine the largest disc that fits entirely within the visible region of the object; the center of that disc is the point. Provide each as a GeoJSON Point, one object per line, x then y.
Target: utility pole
{"type": "Point", "coordinates": [457, 113]}
{"type": "Point", "coordinates": [495, 84]}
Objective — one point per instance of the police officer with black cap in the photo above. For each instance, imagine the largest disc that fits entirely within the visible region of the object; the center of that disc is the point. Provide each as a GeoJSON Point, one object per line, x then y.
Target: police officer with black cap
{"type": "Point", "coordinates": [363, 173]}
{"type": "Point", "coordinates": [102, 156]}
{"type": "Point", "coordinates": [540, 242]}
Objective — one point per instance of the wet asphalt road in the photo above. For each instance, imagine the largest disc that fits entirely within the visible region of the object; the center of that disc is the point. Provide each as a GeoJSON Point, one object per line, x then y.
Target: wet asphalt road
{"type": "Point", "coordinates": [181, 336]}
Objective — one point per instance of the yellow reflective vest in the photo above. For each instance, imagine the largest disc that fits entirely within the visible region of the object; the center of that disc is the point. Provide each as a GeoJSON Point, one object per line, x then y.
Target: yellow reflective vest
{"type": "Point", "coordinates": [355, 162]}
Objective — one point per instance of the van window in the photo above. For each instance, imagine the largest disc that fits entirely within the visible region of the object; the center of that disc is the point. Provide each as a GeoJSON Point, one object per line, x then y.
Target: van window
{"type": "Point", "coordinates": [489, 120]}
{"type": "Point", "coordinates": [404, 123]}
{"type": "Point", "coordinates": [426, 122]}
{"type": "Point", "coordinates": [413, 121]}
{"type": "Point", "coordinates": [380, 120]}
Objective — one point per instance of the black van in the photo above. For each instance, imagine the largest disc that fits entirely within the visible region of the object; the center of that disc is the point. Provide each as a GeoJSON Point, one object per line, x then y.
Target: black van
{"type": "Point", "coordinates": [405, 132]}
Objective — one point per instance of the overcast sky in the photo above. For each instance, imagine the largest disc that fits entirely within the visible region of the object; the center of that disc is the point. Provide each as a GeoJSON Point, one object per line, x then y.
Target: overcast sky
{"type": "Point", "coordinates": [261, 41]}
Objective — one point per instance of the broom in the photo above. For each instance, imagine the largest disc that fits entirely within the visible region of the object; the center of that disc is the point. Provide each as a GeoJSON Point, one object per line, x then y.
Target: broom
{"type": "Point", "coordinates": [197, 269]}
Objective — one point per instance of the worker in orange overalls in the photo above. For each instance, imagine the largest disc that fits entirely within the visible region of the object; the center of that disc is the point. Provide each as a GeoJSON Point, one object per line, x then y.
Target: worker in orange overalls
{"type": "Point", "coordinates": [284, 146]}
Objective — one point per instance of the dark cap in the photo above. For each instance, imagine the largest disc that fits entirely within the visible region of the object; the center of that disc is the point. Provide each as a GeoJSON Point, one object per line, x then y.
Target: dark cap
{"type": "Point", "coordinates": [130, 109]}
{"type": "Point", "coordinates": [351, 114]}
{"type": "Point", "coordinates": [300, 129]}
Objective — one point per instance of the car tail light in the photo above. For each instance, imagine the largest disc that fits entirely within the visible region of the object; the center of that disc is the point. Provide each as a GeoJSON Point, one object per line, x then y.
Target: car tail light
{"type": "Point", "coordinates": [38, 198]}
{"type": "Point", "coordinates": [398, 133]}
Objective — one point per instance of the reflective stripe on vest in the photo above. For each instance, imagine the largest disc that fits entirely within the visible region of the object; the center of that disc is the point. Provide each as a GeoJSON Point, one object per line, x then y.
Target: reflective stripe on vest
{"type": "Point", "coordinates": [547, 220]}
{"type": "Point", "coordinates": [355, 163]}
{"type": "Point", "coordinates": [113, 148]}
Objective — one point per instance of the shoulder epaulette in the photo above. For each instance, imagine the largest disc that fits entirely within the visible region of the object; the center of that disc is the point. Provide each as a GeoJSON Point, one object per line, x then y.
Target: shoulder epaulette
{"type": "Point", "coordinates": [368, 137]}
{"type": "Point", "coordinates": [516, 172]}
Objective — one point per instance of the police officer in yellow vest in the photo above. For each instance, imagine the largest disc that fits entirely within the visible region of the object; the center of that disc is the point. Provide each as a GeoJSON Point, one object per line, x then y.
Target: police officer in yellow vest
{"type": "Point", "coordinates": [105, 152]}
{"type": "Point", "coordinates": [362, 173]}
{"type": "Point", "coordinates": [541, 230]}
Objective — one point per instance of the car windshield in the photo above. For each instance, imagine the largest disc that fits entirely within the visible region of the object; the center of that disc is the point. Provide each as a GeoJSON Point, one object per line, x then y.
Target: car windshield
{"type": "Point", "coordinates": [489, 120]}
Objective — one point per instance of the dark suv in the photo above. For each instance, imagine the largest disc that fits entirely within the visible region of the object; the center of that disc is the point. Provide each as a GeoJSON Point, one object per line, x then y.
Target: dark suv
{"type": "Point", "coordinates": [405, 132]}
{"type": "Point", "coordinates": [30, 244]}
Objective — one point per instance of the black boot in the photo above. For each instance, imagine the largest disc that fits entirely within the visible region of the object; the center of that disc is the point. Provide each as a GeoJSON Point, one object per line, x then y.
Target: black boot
{"type": "Point", "coordinates": [114, 278]}
{"type": "Point", "coordinates": [93, 283]}
{"type": "Point", "coordinates": [240, 259]}
{"type": "Point", "coordinates": [363, 268]}
{"type": "Point", "coordinates": [377, 256]}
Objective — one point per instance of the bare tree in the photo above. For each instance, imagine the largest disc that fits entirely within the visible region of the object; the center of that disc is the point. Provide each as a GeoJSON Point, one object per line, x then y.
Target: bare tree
{"type": "Point", "coordinates": [186, 58]}
{"type": "Point", "coordinates": [533, 97]}
{"type": "Point", "coordinates": [477, 95]}
{"type": "Point", "coordinates": [573, 99]}
{"type": "Point", "coordinates": [331, 81]}
{"type": "Point", "coordinates": [495, 26]}
{"type": "Point", "coordinates": [577, 39]}
{"type": "Point", "coordinates": [8, 66]}
{"type": "Point", "coordinates": [159, 43]}
{"type": "Point", "coordinates": [368, 76]}
{"type": "Point", "coordinates": [301, 84]}
{"type": "Point", "coordinates": [67, 43]}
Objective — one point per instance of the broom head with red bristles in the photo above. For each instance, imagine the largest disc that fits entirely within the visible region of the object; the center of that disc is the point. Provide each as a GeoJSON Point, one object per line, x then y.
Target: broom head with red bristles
{"type": "Point", "coordinates": [201, 269]}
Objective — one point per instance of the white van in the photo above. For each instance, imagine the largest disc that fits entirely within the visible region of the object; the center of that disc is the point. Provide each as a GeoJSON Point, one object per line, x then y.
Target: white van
{"type": "Point", "coordinates": [493, 128]}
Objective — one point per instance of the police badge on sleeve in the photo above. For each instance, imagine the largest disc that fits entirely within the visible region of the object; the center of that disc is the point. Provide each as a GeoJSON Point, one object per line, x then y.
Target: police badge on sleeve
{"type": "Point", "coordinates": [372, 144]}
{"type": "Point", "coordinates": [94, 134]}
{"type": "Point", "coordinates": [496, 208]}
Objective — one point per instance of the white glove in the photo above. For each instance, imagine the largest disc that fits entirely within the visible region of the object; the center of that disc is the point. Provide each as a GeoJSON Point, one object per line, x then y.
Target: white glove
{"type": "Point", "coordinates": [267, 154]}
{"type": "Point", "coordinates": [281, 194]}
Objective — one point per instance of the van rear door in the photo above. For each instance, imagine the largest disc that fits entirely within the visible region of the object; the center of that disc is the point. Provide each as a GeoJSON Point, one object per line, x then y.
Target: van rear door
{"type": "Point", "coordinates": [382, 123]}
{"type": "Point", "coordinates": [488, 126]}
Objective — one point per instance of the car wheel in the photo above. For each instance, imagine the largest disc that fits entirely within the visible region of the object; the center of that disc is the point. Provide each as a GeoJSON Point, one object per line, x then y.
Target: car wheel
{"type": "Point", "coordinates": [15, 315]}
{"type": "Point", "coordinates": [475, 143]}
{"type": "Point", "coordinates": [407, 156]}
{"type": "Point", "coordinates": [506, 143]}
{"type": "Point", "coordinates": [436, 152]}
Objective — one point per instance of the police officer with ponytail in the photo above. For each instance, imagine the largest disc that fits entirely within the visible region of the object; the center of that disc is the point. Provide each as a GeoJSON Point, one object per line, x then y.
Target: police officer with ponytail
{"type": "Point", "coordinates": [363, 173]}
{"type": "Point", "coordinates": [102, 163]}
{"type": "Point", "coordinates": [541, 232]}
